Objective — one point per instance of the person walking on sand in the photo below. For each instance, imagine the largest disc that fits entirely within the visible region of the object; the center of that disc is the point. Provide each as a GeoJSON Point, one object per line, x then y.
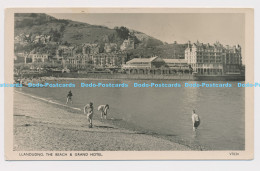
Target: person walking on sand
{"type": "Point", "coordinates": [195, 120]}
{"type": "Point", "coordinates": [103, 109]}
{"type": "Point", "coordinates": [89, 110]}
{"type": "Point", "coordinates": [69, 97]}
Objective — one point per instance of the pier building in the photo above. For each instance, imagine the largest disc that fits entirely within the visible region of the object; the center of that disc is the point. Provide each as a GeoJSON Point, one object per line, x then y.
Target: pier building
{"type": "Point", "coordinates": [156, 65]}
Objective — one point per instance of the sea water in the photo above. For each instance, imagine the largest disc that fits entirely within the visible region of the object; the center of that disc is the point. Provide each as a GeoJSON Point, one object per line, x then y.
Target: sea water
{"type": "Point", "coordinates": [166, 111]}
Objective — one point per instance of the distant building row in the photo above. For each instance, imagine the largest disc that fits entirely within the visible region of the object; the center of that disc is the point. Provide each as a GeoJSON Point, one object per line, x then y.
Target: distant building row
{"type": "Point", "coordinates": [92, 48]}
{"type": "Point", "coordinates": [202, 59]}
{"type": "Point", "coordinates": [113, 59]}
{"type": "Point", "coordinates": [100, 60]}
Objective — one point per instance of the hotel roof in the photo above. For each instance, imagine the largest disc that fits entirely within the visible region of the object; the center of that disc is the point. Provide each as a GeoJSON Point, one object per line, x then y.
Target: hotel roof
{"type": "Point", "coordinates": [175, 60]}
{"type": "Point", "coordinates": [142, 59]}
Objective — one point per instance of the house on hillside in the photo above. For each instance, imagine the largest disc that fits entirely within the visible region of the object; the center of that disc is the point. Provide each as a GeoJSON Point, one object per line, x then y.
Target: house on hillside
{"type": "Point", "coordinates": [113, 59]}
{"type": "Point", "coordinates": [89, 48]}
{"type": "Point", "coordinates": [38, 57]}
{"type": "Point", "coordinates": [65, 51]}
{"type": "Point", "coordinates": [110, 47]}
{"type": "Point", "coordinates": [127, 44]}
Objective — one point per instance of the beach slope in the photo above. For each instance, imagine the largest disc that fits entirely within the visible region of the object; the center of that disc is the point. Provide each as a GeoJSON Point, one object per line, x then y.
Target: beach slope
{"type": "Point", "coordinates": [42, 126]}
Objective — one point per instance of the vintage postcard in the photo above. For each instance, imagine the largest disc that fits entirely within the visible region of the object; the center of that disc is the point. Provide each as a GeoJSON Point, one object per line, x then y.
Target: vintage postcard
{"type": "Point", "coordinates": [129, 84]}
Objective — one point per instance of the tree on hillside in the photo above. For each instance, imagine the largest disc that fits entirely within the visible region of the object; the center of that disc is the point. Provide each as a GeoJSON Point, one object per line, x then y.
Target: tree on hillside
{"type": "Point", "coordinates": [55, 34]}
{"type": "Point", "coordinates": [111, 38]}
{"type": "Point", "coordinates": [122, 32]}
{"type": "Point", "coordinates": [62, 28]}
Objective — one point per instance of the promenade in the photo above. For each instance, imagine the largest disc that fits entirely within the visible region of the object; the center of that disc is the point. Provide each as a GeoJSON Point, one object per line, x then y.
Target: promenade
{"type": "Point", "coordinates": [43, 126]}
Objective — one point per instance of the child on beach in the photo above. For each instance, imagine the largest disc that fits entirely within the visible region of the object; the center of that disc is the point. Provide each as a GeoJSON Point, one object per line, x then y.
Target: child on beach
{"type": "Point", "coordinates": [69, 97]}
{"type": "Point", "coordinates": [89, 110]}
{"type": "Point", "coordinates": [195, 120]}
{"type": "Point", "coordinates": [103, 109]}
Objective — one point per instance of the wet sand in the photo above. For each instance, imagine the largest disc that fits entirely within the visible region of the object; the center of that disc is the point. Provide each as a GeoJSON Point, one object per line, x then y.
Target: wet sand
{"type": "Point", "coordinates": [43, 126]}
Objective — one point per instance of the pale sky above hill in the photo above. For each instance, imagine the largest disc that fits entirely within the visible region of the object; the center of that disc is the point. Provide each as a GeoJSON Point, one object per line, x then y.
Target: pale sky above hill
{"type": "Point", "coordinates": [208, 28]}
{"type": "Point", "coordinates": [227, 28]}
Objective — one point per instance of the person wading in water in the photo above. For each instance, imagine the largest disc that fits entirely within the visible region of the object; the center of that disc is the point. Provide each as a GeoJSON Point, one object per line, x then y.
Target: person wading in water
{"type": "Point", "coordinates": [195, 120]}
{"type": "Point", "coordinates": [103, 109]}
{"type": "Point", "coordinates": [88, 109]}
{"type": "Point", "coordinates": [69, 97]}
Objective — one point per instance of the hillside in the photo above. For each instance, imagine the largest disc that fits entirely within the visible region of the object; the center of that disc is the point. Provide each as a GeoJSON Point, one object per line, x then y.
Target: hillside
{"type": "Point", "coordinates": [72, 32]}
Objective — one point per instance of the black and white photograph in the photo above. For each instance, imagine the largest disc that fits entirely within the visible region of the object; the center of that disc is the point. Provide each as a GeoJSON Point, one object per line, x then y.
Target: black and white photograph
{"type": "Point", "coordinates": [143, 83]}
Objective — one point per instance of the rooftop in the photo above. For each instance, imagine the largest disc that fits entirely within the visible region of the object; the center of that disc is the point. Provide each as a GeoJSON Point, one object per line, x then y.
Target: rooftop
{"type": "Point", "coordinates": [175, 60]}
{"type": "Point", "coordinates": [142, 59]}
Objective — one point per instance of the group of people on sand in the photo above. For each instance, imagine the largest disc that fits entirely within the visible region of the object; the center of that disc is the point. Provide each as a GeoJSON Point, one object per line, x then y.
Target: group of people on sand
{"type": "Point", "coordinates": [89, 109]}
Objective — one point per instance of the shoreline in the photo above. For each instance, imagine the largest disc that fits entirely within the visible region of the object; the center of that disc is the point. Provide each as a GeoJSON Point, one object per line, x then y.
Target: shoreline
{"type": "Point", "coordinates": [115, 79]}
{"type": "Point", "coordinates": [183, 77]}
{"type": "Point", "coordinates": [108, 128]}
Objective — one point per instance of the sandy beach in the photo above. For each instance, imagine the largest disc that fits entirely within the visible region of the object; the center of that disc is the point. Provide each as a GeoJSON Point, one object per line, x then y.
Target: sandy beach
{"type": "Point", "coordinates": [43, 126]}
